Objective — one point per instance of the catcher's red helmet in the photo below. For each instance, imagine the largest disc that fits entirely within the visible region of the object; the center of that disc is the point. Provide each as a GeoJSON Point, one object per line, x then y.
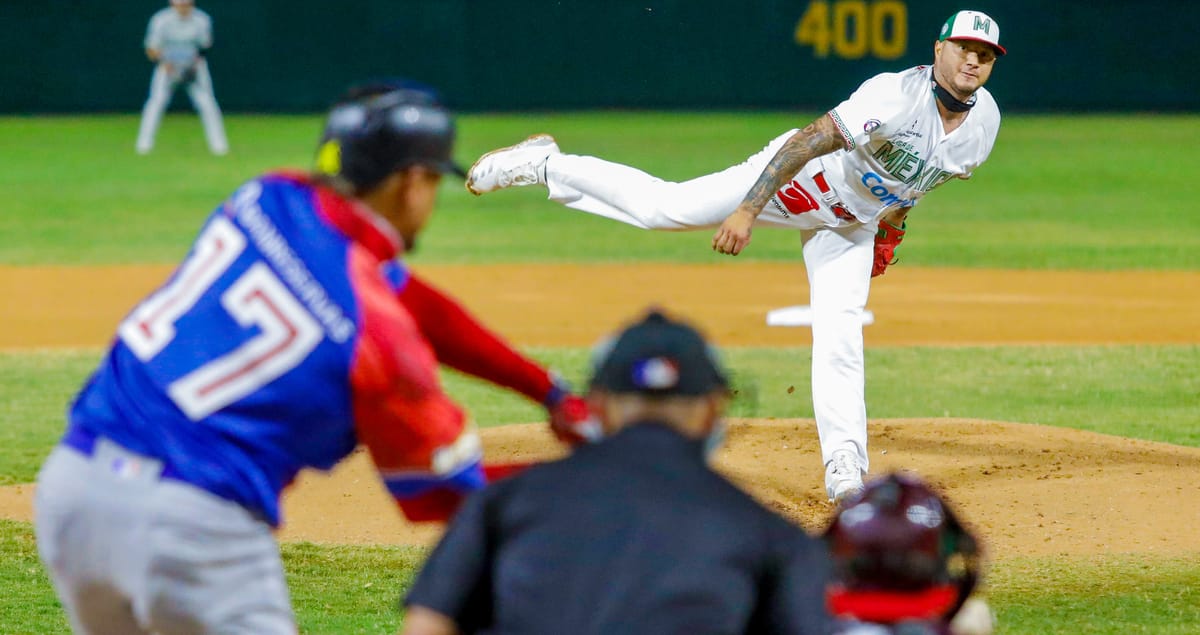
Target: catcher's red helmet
{"type": "Point", "coordinates": [899, 553]}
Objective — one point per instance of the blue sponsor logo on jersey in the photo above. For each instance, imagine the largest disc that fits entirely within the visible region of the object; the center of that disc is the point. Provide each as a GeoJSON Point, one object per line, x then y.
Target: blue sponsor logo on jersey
{"type": "Point", "coordinates": [874, 184]}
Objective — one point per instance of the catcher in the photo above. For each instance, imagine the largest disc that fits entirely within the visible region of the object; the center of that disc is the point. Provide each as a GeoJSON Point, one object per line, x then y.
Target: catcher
{"type": "Point", "coordinates": [903, 564]}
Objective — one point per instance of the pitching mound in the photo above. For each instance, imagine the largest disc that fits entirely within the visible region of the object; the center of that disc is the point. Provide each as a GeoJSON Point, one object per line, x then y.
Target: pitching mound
{"type": "Point", "coordinates": [1029, 490]}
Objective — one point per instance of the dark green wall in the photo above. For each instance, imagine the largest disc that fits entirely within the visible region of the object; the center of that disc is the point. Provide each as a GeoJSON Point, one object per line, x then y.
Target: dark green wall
{"type": "Point", "coordinates": [295, 55]}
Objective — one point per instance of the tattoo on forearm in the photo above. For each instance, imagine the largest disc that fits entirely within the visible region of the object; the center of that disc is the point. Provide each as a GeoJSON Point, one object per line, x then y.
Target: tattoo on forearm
{"type": "Point", "coordinates": [816, 139]}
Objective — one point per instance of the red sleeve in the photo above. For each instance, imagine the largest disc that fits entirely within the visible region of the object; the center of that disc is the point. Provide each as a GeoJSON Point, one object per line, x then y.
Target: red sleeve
{"type": "Point", "coordinates": [463, 343]}
{"type": "Point", "coordinates": [428, 456]}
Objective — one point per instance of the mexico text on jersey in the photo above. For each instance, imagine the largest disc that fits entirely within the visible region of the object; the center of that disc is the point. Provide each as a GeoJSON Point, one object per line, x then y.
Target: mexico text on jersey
{"type": "Point", "coordinates": [898, 150]}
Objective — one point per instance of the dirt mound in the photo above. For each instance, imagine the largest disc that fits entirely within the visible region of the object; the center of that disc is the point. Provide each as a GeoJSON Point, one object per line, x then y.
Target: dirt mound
{"type": "Point", "coordinates": [1029, 490]}
{"type": "Point", "coordinates": [577, 304]}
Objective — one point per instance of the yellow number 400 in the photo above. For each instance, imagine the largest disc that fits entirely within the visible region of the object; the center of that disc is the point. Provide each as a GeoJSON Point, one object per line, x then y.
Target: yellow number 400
{"type": "Point", "coordinates": [853, 28]}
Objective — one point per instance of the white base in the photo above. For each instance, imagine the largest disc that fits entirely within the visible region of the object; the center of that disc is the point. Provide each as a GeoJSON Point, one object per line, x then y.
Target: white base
{"type": "Point", "coordinates": [801, 315]}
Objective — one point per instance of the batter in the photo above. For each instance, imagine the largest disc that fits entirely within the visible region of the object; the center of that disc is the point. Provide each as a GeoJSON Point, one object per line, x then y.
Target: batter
{"type": "Point", "coordinates": [846, 181]}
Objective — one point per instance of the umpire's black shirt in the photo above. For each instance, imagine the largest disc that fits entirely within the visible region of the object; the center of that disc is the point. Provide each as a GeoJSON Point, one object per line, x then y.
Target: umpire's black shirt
{"type": "Point", "coordinates": [632, 535]}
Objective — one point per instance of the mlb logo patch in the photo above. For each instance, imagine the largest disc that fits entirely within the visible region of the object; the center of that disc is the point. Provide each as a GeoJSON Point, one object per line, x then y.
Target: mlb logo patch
{"type": "Point", "coordinates": [656, 373]}
{"type": "Point", "coordinates": [125, 468]}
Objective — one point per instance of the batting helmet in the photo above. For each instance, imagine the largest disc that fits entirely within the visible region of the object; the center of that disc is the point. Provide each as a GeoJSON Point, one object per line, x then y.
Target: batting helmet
{"type": "Point", "coordinates": [379, 128]}
{"type": "Point", "coordinates": [899, 553]}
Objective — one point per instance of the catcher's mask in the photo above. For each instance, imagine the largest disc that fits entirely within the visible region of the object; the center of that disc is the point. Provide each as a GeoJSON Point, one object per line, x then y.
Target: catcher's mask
{"type": "Point", "coordinates": [376, 129]}
{"type": "Point", "coordinates": [899, 554]}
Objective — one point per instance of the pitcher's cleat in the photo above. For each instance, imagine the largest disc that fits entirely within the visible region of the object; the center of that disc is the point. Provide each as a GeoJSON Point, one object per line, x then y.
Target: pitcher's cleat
{"type": "Point", "coordinates": [843, 477]}
{"type": "Point", "coordinates": [516, 165]}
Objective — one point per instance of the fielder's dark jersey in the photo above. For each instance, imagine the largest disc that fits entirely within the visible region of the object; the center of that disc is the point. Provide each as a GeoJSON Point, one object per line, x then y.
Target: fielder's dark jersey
{"type": "Point", "coordinates": [631, 535]}
{"type": "Point", "coordinates": [279, 344]}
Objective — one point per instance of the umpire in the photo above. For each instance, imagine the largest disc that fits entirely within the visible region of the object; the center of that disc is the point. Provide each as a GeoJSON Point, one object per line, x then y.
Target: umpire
{"type": "Point", "coordinates": [634, 534]}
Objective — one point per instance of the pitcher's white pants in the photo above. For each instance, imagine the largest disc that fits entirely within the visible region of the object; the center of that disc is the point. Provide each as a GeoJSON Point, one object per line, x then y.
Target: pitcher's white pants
{"type": "Point", "coordinates": [837, 255]}
{"type": "Point", "coordinates": [200, 90]}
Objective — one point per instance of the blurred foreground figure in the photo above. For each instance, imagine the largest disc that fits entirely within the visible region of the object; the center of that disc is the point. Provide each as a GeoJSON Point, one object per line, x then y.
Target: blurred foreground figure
{"type": "Point", "coordinates": [632, 534]}
{"type": "Point", "coordinates": [289, 335]}
{"type": "Point", "coordinates": [903, 564]}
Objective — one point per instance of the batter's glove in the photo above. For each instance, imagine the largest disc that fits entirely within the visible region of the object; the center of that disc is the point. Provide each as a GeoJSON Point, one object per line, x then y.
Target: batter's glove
{"type": "Point", "coordinates": [570, 419]}
{"type": "Point", "coordinates": [887, 239]}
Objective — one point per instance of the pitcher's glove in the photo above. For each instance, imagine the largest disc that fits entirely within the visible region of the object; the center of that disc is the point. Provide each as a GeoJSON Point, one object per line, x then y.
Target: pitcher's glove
{"type": "Point", "coordinates": [887, 239]}
{"type": "Point", "coordinates": [570, 419]}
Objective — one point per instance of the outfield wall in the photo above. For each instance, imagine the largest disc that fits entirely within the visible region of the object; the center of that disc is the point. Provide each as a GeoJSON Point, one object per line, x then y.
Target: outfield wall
{"type": "Point", "coordinates": [293, 55]}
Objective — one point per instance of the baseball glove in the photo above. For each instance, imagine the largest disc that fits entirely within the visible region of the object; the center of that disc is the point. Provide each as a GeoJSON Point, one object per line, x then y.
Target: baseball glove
{"type": "Point", "coordinates": [188, 75]}
{"type": "Point", "coordinates": [887, 239]}
{"type": "Point", "coordinates": [570, 419]}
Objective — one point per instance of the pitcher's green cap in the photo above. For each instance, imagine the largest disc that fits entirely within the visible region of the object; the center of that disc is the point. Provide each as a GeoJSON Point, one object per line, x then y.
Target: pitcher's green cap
{"type": "Point", "coordinates": [972, 25]}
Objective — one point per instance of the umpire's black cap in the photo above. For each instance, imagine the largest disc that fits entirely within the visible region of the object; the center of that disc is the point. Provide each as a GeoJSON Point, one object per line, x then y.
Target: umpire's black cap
{"type": "Point", "coordinates": [381, 127]}
{"type": "Point", "coordinates": [660, 357]}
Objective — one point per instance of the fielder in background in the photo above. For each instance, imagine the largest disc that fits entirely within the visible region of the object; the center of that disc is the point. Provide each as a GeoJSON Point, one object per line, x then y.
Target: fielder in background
{"type": "Point", "coordinates": [846, 182]}
{"type": "Point", "coordinates": [633, 534]}
{"type": "Point", "coordinates": [290, 334]}
{"type": "Point", "coordinates": [903, 564]}
{"type": "Point", "coordinates": [175, 41]}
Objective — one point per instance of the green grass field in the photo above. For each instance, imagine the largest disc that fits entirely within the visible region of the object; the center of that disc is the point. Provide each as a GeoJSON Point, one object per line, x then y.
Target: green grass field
{"type": "Point", "coordinates": [1063, 192]}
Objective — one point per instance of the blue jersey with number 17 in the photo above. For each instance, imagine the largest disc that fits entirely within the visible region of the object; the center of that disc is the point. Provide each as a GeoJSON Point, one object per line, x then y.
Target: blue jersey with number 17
{"type": "Point", "coordinates": [278, 344]}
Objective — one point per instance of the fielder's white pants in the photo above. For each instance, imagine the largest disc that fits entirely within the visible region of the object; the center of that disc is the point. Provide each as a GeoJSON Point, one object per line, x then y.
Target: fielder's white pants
{"type": "Point", "coordinates": [200, 91]}
{"type": "Point", "coordinates": [837, 255]}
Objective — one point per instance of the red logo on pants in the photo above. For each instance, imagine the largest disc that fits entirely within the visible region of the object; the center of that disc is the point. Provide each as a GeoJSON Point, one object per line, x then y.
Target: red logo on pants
{"type": "Point", "coordinates": [796, 199]}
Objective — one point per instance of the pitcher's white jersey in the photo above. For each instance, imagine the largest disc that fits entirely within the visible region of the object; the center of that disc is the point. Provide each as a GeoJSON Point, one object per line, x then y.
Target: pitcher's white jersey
{"type": "Point", "coordinates": [176, 38]}
{"type": "Point", "coordinates": [898, 149]}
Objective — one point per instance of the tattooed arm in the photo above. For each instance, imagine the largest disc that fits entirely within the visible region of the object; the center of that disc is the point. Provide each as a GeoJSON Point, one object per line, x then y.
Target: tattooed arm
{"type": "Point", "coordinates": [816, 139]}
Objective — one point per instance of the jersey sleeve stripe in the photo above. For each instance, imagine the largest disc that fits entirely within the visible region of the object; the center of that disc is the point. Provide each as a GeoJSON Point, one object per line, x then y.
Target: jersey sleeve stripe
{"type": "Point", "coordinates": [845, 132]}
{"type": "Point", "coordinates": [411, 485]}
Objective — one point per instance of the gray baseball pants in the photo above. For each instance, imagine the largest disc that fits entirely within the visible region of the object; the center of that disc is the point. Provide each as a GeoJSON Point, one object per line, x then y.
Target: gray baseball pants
{"type": "Point", "coordinates": [130, 552]}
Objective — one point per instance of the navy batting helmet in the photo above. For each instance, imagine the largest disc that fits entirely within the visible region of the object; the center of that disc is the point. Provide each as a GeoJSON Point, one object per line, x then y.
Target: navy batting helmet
{"type": "Point", "coordinates": [899, 553]}
{"type": "Point", "coordinates": [376, 129]}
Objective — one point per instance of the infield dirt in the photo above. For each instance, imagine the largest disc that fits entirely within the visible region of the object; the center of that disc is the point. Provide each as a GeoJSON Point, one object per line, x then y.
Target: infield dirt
{"type": "Point", "coordinates": [1031, 490]}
